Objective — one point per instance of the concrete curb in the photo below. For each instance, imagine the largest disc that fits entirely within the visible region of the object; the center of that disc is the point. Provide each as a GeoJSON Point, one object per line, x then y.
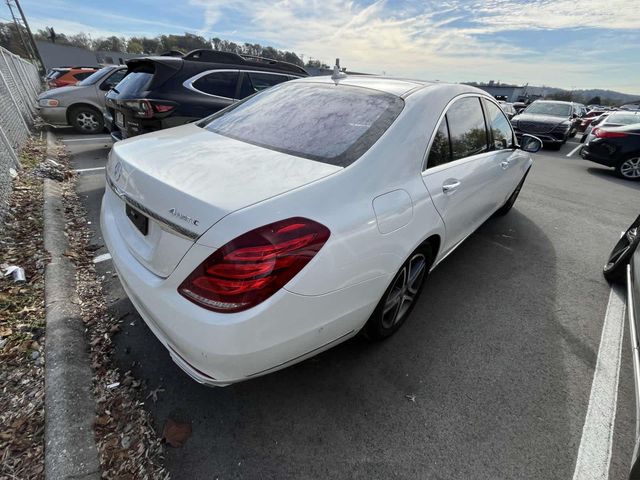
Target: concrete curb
{"type": "Point", "coordinates": [70, 446]}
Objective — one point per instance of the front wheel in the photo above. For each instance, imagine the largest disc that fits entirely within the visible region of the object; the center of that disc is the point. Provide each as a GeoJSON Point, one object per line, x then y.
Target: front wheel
{"type": "Point", "coordinates": [400, 297]}
{"type": "Point", "coordinates": [629, 169]}
{"type": "Point", "coordinates": [615, 269]}
{"type": "Point", "coordinates": [87, 120]}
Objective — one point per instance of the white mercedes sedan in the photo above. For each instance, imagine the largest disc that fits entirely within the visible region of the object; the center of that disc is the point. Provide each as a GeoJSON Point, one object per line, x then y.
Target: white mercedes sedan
{"type": "Point", "coordinates": [292, 220]}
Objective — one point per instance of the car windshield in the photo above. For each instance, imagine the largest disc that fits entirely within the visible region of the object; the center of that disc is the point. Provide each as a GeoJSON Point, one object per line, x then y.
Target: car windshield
{"type": "Point", "coordinates": [553, 109]}
{"type": "Point", "coordinates": [623, 119]}
{"type": "Point", "coordinates": [327, 123]}
{"type": "Point", "coordinates": [94, 77]}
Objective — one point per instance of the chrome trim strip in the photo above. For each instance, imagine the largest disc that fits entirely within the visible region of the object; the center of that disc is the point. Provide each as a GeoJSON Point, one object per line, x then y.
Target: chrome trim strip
{"type": "Point", "coordinates": [188, 83]}
{"type": "Point", "coordinates": [164, 223]}
{"type": "Point", "coordinates": [280, 365]}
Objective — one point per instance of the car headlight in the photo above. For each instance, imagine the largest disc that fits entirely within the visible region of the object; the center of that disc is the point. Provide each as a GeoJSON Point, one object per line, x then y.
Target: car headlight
{"type": "Point", "coordinates": [48, 102]}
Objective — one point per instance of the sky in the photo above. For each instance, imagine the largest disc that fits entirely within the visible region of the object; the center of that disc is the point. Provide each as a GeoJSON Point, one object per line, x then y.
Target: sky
{"type": "Point", "coordinates": [561, 43]}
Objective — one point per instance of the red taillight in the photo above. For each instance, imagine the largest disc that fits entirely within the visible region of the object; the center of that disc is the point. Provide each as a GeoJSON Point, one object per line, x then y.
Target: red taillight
{"type": "Point", "coordinates": [601, 133]}
{"type": "Point", "coordinates": [147, 108]}
{"type": "Point", "coordinates": [252, 267]}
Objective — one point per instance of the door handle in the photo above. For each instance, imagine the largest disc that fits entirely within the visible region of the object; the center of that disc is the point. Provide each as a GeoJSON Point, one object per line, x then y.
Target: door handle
{"type": "Point", "coordinates": [450, 187]}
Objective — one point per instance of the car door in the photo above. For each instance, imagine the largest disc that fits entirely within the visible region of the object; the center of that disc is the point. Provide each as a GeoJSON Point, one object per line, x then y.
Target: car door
{"type": "Point", "coordinates": [506, 154]}
{"type": "Point", "coordinates": [217, 89]}
{"type": "Point", "coordinates": [462, 170]}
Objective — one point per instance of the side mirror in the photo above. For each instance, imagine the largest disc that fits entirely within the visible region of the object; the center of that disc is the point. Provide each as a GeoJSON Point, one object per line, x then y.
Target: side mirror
{"type": "Point", "coordinates": [530, 144]}
{"type": "Point", "coordinates": [105, 87]}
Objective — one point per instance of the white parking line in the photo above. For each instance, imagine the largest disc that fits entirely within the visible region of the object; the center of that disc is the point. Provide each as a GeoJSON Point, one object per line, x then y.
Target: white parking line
{"type": "Point", "coordinates": [89, 139]}
{"type": "Point", "coordinates": [574, 150]}
{"type": "Point", "coordinates": [594, 454]}
{"type": "Point", "coordinates": [102, 258]}
{"type": "Point", "coordinates": [94, 169]}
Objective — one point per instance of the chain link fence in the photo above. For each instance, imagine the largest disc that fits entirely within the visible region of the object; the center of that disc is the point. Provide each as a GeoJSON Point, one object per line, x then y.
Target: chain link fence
{"type": "Point", "coordinates": [19, 86]}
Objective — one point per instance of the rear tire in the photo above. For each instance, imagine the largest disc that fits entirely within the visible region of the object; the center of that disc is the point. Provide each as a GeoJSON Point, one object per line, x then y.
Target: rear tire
{"type": "Point", "coordinates": [616, 267]}
{"type": "Point", "coordinates": [629, 169]}
{"type": "Point", "coordinates": [508, 205]}
{"type": "Point", "coordinates": [401, 296]}
{"type": "Point", "coordinates": [86, 120]}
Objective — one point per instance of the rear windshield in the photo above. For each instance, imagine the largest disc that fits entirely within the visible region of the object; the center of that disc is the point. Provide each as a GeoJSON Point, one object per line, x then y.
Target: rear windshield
{"type": "Point", "coordinates": [623, 118]}
{"type": "Point", "coordinates": [137, 81]}
{"type": "Point", "coordinates": [327, 123]}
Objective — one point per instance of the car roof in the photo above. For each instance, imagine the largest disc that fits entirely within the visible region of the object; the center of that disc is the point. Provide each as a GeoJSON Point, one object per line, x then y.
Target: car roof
{"type": "Point", "coordinates": [555, 101]}
{"type": "Point", "coordinates": [400, 87]}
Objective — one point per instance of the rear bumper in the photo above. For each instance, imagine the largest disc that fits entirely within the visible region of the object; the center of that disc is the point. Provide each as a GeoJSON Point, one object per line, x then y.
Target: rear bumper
{"type": "Point", "coordinates": [220, 349]}
{"type": "Point", "coordinates": [589, 154]}
{"type": "Point", "coordinates": [56, 116]}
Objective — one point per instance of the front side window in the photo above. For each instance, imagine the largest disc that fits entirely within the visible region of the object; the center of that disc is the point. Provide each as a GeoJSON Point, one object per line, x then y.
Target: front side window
{"type": "Point", "coordinates": [255, 82]}
{"type": "Point", "coordinates": [327, 123]}
{"type": "Point", "coordinates": [467, 128]}
{"type": "Point", "coordinates": [221, 84]}
{"type": "Point", "coordinates": [440, 152]}
{"type": "Point", "coordinates": [500, 127]}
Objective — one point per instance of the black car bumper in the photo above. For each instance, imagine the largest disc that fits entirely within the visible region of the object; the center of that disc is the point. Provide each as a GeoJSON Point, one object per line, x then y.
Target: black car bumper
{"type": "Point", "coordinates": [588, 152]}
{"type": "Point", "coordinates": [549, 138]}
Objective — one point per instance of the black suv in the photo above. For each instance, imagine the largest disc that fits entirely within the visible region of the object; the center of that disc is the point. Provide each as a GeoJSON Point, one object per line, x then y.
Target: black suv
{"type": "Point", "coordinates": [166, 91]}
{"type": "Point", "coordinates": [553, 122]}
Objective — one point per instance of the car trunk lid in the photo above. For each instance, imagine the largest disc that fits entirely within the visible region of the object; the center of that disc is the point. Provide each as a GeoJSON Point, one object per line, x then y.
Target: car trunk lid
{"type": "Point", "coordinates": [184, 180]}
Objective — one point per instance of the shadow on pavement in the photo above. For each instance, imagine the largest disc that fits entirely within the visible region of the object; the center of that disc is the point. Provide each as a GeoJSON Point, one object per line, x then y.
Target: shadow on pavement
{"type": "Point", "coordinates": [610, 175]}
{"type": "Point", "coordinates": [481, 354]}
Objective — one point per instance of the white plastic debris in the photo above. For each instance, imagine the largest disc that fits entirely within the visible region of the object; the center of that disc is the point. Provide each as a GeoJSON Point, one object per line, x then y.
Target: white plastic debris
{"type": "Point", "coordinates": [13, 173]}
{"type": "Point", "coordinates": [113, 385]}
{"type": "Point", "coordinates": [16, 272]}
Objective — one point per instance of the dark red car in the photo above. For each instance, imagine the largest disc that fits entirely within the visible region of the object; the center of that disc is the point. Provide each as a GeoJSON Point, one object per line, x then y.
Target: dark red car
{"type": "Point", "coordinates": [588, 118]}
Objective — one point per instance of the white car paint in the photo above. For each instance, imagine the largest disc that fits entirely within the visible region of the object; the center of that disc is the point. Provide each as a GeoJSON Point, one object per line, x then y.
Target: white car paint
{"type": "Point", "coordinates": [201, 190]}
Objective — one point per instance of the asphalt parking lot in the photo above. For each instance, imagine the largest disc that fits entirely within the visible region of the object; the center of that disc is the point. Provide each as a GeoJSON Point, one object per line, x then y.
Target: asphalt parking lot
{"type": "Point", "coordinates": [490, 379]}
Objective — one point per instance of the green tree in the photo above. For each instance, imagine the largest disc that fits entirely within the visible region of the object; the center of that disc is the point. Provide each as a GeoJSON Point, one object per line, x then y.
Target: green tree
{"type": "Point", "coordinates": [134, 46]}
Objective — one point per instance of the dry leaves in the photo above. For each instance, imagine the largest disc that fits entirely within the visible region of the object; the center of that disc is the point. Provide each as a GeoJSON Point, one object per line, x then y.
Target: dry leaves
{"type": "Point", "coordinates": [176, 433]}
{"type": "Point", "coordinates": [128, 445]}
{"type": "Point", "coordinates": [22, 325]}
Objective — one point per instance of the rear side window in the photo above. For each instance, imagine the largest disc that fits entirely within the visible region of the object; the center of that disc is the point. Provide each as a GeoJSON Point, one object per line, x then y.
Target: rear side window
{"type": "Point", "coordinates": [466, 128]}
{"type": "Point", "coordinates": [254, 82]}
{"type": "Point", "coordinates": [500, 127]}
{"type": "Point", "coordinates": [221, 84]}
{"type": "Point", "coordinates": [440, 152]}
{"type": "Point", "coordinates": [330, 124]}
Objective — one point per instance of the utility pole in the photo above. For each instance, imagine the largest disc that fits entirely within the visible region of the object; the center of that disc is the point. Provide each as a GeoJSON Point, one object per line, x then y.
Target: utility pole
{"type": "Point", "coordinates": [32, 49]}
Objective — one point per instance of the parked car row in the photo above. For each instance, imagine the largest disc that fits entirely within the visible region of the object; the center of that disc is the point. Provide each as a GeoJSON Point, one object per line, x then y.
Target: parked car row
{"type": "Point", "coordinates": [615, 142]}
{"type": "Point", "coordinates": [82, 105]}
{"type": "Point", "coordinates": [153, 93]}
{"type": "Point", "coordinates": [64, 76]}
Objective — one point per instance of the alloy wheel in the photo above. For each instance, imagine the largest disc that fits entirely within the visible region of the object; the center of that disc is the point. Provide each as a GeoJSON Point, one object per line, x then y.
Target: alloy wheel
{"type": "Point", "coordinates": [87, 121]}
{"type": "Point", "coordinates": [404, 291]}
{"type": "Point", "coordinates": [630, 168]}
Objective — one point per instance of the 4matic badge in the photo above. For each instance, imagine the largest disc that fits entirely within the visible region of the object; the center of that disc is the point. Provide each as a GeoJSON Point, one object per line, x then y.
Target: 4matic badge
{"type": "Point", "coordinates": [183, 217]}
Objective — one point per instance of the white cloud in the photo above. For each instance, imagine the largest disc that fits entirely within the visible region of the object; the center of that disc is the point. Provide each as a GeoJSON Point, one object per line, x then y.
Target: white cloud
{"type": "Point", "coordinates": [421, 41]}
